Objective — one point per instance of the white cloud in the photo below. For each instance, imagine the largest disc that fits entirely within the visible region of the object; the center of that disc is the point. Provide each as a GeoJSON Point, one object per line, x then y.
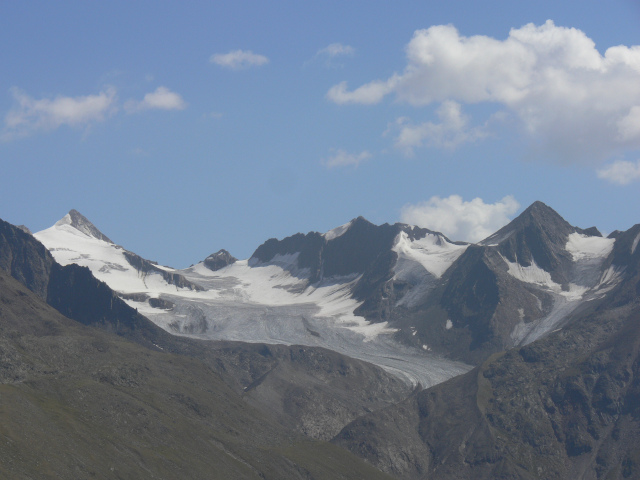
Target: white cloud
{"type": "Point", "coordinates": [344, 159]}
{"type": "Point", "coordinates": [239, 59]}
{"type": "Point", "coordinates": [366, 94]}
{"type": "Point", "coordinates": [621, 172]}
{"type": "Point", "coordinates": [571, 100]}
{"type": "Point", "coordinates": [31, 115]}
{"type": "Point", "coordinates": [452, 131]}
{"type": "Point", "coordinates": [459, 220]}
{"type": "Point", "coordinates": [162, 98]}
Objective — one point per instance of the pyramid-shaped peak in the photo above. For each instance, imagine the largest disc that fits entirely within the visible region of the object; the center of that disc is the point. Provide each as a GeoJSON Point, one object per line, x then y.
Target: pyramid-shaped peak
{"type": "Point", "coordinates": [81, 223]}
{"type": "Point", "coordinates": [537, 216]}
{"type": "Point", "coordinates": [540, 209]}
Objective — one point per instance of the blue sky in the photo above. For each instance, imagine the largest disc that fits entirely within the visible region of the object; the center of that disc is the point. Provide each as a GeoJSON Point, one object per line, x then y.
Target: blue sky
{"type": "Point", "coordinates": [179, 130]}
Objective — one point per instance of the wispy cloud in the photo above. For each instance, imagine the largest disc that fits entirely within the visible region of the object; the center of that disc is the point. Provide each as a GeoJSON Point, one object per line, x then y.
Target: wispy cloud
{"type": "Point", "coordinates": [239, 59]}
{"type": "Point", "coordinates": [31, 115]}
{"type": "Point", "coordinates": [469, 221]}
{"type": "Point", "coordinates": [342, 158]}
{"type": "Point", "coordinates": [330, 54]}
{"type": "Point", "coordinates": [571, 101]}
{"type": "Point", "coordinates": [368, 94]}
{"type": "Point", "coordinates": [452, 131]}
{"type": "Point", "coordinates": [337, 50]}
{"type": "Point", "coordinates": [162, 99]}
{"type": "Point", "coordinates": [621, 172]}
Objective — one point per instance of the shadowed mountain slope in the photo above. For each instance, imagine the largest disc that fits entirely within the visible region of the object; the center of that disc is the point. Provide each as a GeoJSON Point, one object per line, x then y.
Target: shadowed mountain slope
{"type": "Point", "coordinates": [564, 406]}
{"type": "Point", "coordinates": [513, 287]}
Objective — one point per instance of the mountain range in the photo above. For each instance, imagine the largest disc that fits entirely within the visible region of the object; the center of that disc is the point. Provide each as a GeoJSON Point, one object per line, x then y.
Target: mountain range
{"type": "Point", "coordinates": [515, 357]}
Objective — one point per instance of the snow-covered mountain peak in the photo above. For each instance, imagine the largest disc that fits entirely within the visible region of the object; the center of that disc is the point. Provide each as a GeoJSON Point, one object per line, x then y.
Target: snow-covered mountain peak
{"type": "Point", "coordinates": [78, 221]}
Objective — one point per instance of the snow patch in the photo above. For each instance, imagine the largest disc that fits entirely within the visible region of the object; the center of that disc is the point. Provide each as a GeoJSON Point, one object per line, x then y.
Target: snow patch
{"type": "Point", "coordinates": [433, 253]}
{"type": "Point", "coordinates": [583, 247]}
{"type": "Point", "coordinates": [537, 276]}
{"type": "Point", "coordinates": [635, 244]}
{"type": "Point", "coordinates": [337, 232]}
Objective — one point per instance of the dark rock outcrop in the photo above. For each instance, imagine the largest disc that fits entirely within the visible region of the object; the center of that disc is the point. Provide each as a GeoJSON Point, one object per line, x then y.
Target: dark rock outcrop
{"type": "Point", "coordinates": [219, 260]}
{"type": "Point", "coordinates": [146, 267]}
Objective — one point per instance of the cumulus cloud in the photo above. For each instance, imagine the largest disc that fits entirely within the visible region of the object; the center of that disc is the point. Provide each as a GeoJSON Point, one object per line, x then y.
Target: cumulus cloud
{"type": "Point", "coordinates": [342, 158]}
{"type": "Point", "coordinates": [31, 115]}
{"type": "Point", "coordinates": [239, 59]}
{"type": "Point", "coordinates": [470, 221]}
{"type": "Point", "coordinates": [621, 172]}
{"type": "Point", "coordinates": [162, 98]}
{"type": "Point", "coordinates": [570, 100]}
{"type": "Point", "coordinates": [452, 131]}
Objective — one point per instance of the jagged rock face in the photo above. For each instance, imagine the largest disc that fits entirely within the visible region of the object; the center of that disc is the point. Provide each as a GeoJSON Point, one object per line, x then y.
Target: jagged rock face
{"type": "Point", "coordinates": [26, 259]}
{"type": "Point", "coordinates": [219, 260]}
{"type": "Point", "coordinates": [354, 251]}
{"type": "Point", "coordinates": [308, 246]}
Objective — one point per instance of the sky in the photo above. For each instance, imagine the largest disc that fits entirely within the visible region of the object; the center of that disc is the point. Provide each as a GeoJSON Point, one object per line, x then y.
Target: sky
{"type": "Point", "coordinates": [180, 128]}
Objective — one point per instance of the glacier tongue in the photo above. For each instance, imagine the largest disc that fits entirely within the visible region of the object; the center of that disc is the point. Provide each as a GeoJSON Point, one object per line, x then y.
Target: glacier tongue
{"type": "Point", "coordinates": [253, 301]}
